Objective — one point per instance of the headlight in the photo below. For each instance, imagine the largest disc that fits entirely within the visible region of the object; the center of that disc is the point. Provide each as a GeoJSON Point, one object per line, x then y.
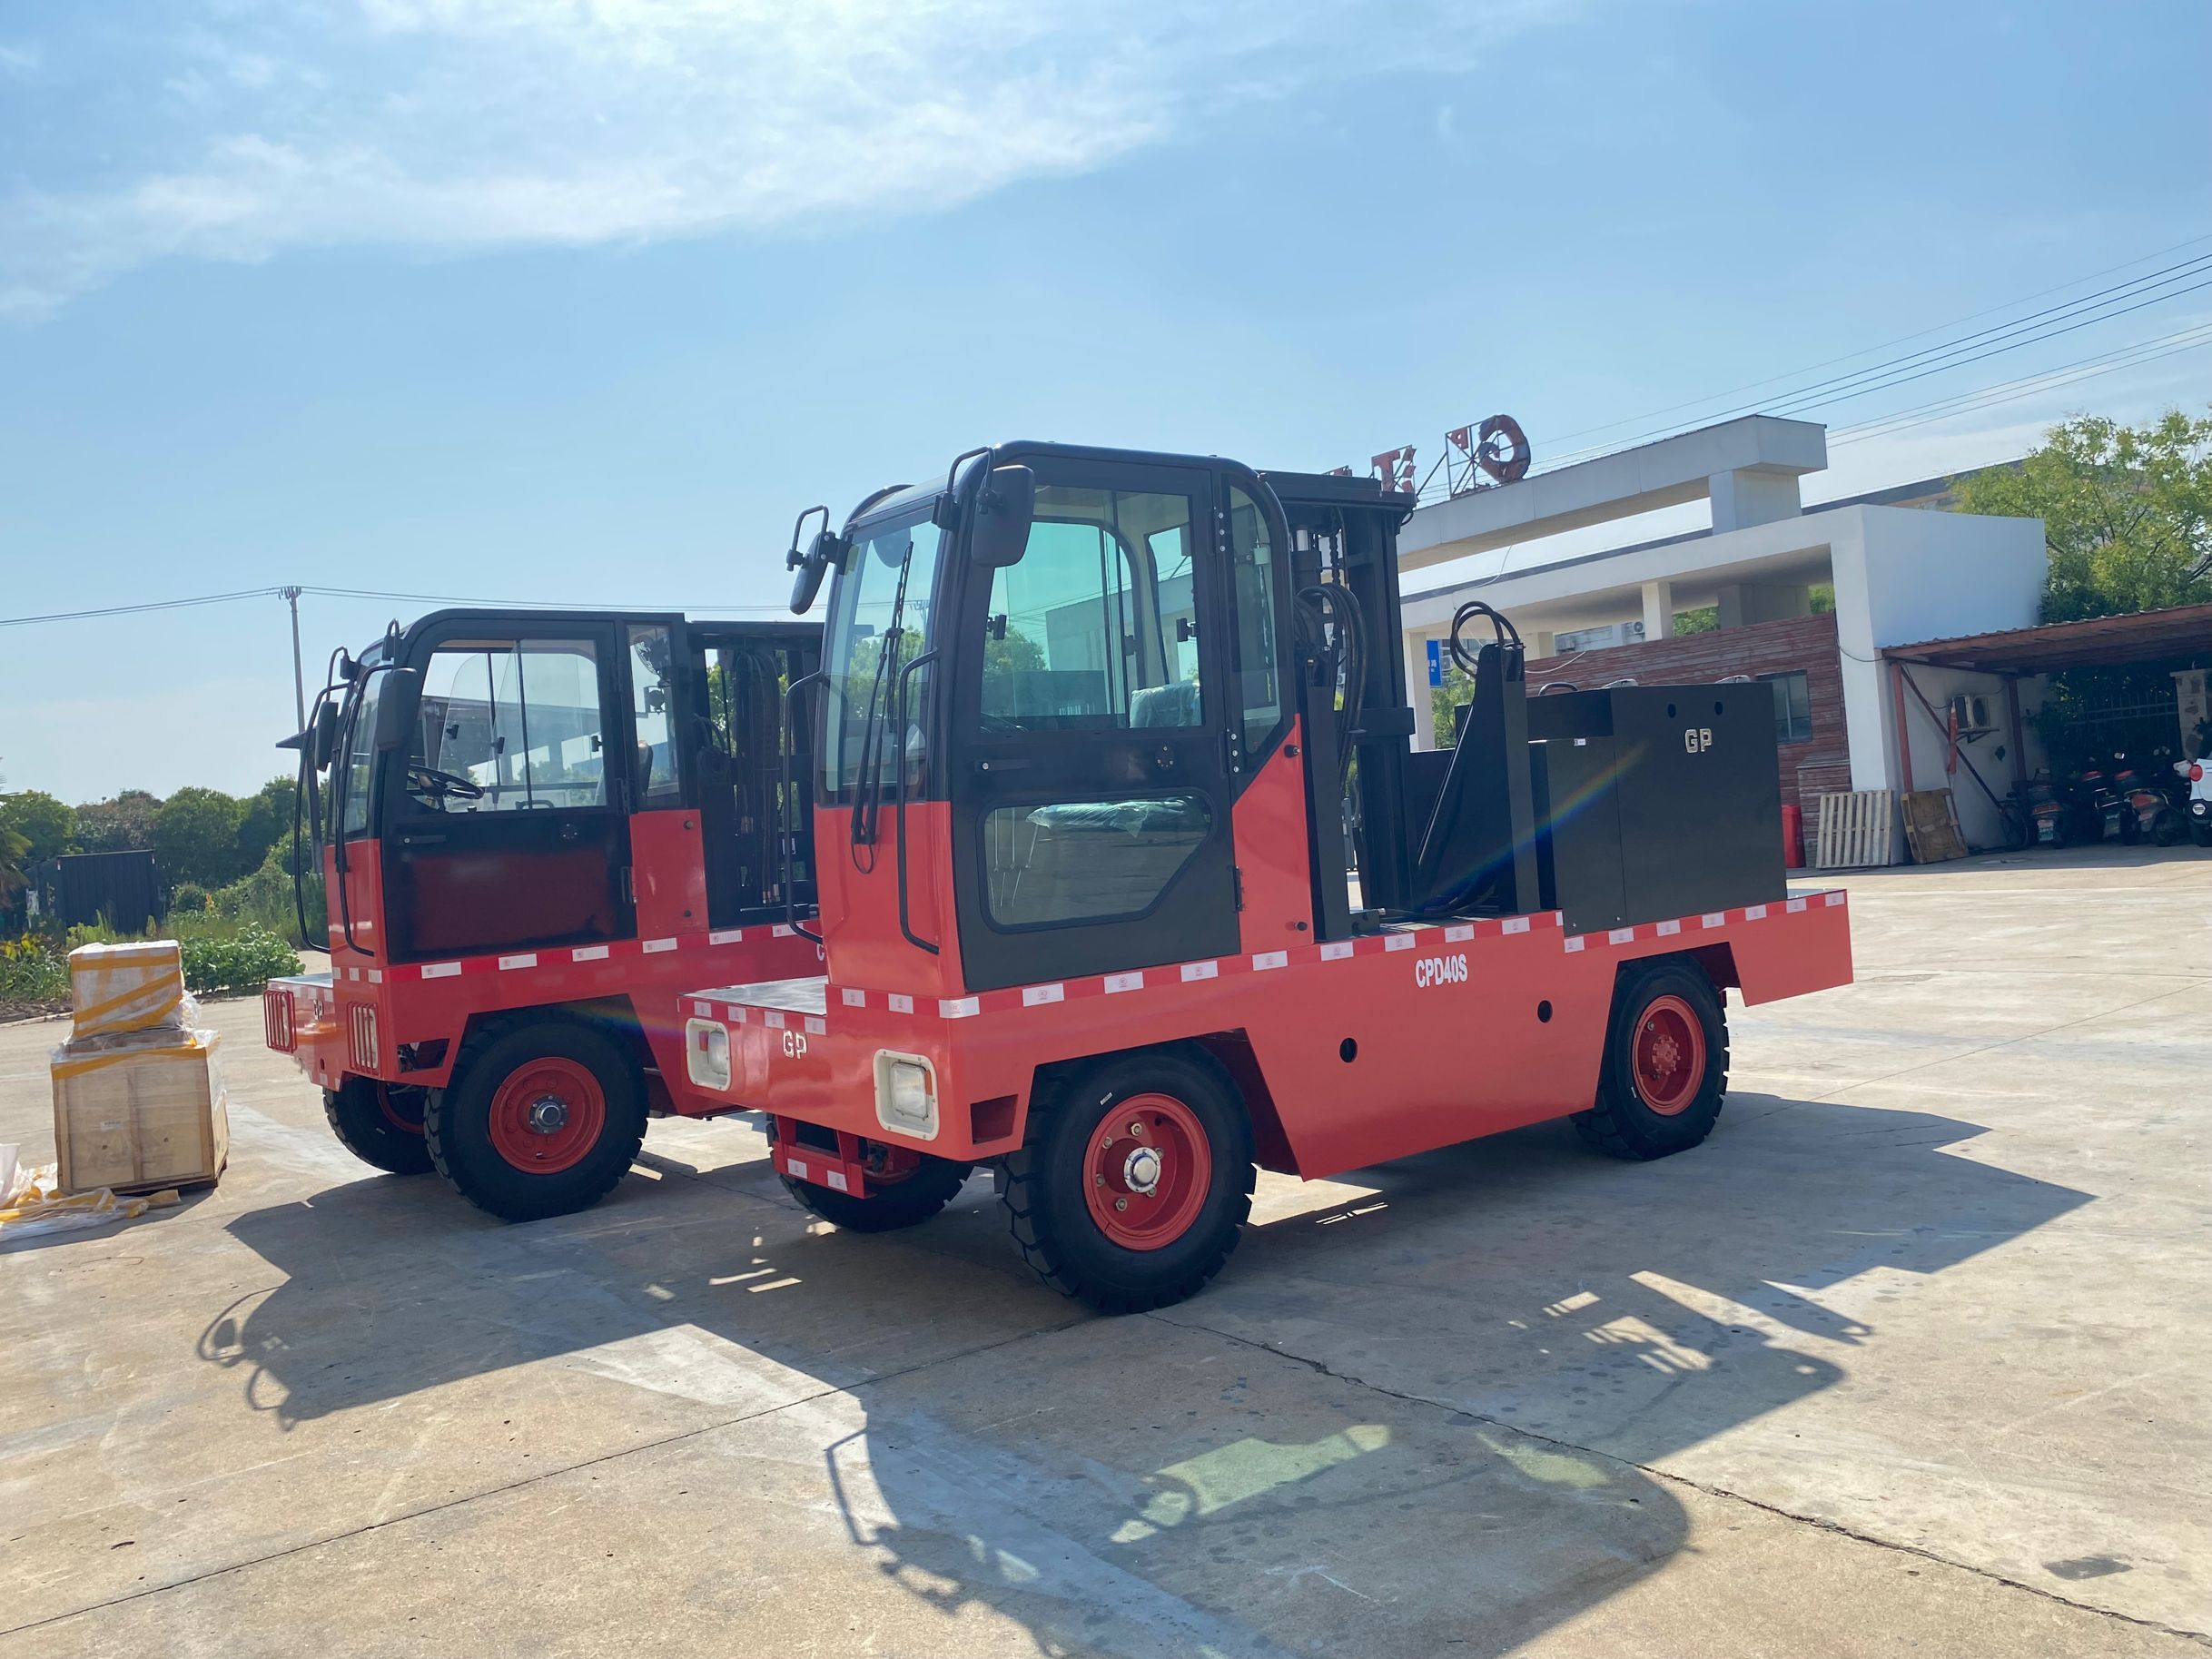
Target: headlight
{"type": "Point", "coordinates": [906, 1094]}
{"type": "Point", "coordinates": [707, 1054]}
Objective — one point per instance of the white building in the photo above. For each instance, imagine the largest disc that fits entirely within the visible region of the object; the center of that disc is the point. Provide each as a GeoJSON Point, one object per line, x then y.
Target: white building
{"type": "Point", "coordinates": [1899, 574]}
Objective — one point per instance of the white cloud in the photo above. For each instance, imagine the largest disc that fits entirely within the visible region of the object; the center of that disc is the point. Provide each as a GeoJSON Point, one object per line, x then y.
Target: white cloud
{"type": "Point", "coordinates": [461, 123]}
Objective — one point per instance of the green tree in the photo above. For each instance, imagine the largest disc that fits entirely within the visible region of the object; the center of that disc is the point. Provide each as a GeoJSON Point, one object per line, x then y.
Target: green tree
{"type": "Point", "coordinates": [118, 826]}
{"type": "Point", "coordinates": [2126, 512]}
{"type": "Point", "coordinates": [266, 820]}
{"type": "Point", "coordinates": [46, 826]}
{"type": "Point", "coordinates": [195, 838]}
{"type": "Point", "coordinates": [14, 859]}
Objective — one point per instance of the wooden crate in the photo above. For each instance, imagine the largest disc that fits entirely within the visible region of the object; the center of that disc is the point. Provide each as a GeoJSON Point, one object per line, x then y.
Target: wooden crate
{"type": "Point", "coordinates": [130, 987]}
{"type": "Point", "coordinates": [139, 1116]}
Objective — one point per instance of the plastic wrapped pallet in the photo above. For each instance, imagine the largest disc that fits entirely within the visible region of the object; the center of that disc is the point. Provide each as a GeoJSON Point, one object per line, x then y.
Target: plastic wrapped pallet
{"type": "Point", "coordinates": [140, 1113]}
{"type": "Point", "coordinates": [117, 988]}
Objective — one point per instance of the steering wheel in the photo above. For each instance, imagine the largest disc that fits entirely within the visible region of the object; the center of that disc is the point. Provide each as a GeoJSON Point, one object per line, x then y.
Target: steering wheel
{"type": "Point", "coordinates": [439, 786]}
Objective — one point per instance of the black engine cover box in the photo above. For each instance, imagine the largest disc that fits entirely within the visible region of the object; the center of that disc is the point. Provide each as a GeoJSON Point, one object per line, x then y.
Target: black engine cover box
{"type": "Point", "coordinates": [1654, 802]}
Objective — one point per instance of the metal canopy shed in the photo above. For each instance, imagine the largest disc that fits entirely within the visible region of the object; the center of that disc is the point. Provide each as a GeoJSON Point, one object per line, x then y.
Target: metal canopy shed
{"type": "Point", "coordinates": [2178, 632]}
{"type": "Point", "coordinates": [2148, 635]}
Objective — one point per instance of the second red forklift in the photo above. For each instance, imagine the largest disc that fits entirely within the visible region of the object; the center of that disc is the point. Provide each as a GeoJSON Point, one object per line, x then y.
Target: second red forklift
{"type": "Point", "coordinates": [540, 826]}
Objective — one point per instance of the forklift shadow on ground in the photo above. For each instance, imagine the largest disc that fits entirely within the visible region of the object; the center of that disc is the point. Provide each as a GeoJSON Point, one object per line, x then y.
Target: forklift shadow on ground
{"type": "Point", "coordinates": [1122, 1482]}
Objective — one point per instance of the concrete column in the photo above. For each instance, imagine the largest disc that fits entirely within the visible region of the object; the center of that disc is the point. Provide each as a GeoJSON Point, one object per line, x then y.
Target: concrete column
{"type": "Point", "coordinates": [1752, 496]}
{"type": "Point", "coordinates": [1542, 644]}
{"type": "Point", "coordinates": [1659, 610]}
{"type": "Point", "coordinates": [1417, 689]}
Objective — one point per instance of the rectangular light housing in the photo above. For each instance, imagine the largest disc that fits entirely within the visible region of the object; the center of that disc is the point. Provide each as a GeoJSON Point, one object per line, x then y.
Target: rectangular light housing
{"type": "Point", "coordinates": [906, 1094]}
{"type": "Point", "coordinates": [707, 1054]}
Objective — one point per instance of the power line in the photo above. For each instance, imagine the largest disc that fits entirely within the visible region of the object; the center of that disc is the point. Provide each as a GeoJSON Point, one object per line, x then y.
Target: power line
{"type": "Point", "coordinates": [1881, 377]}
{"type": "Point", "coordinates": [125, 610]}
{"type": "Point", "coordinates": [1967, 403]}
{"type": "Point", "coordinates": [366, 593]}
{"type": "Point", "coordinates": [1788, 374]}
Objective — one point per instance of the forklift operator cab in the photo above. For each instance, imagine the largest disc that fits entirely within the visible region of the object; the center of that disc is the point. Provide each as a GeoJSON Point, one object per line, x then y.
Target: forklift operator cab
{"type": "Point", "coordinates": [529, 780]}
{"type": "Point", "coordinates": [1103, 669]}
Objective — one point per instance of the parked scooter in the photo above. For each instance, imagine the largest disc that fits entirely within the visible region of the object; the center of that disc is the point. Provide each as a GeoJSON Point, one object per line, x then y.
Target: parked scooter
{"type": "Point", "coordinates": [2106, 815]}
{"type": "Point", "coordinates": [2053, 813]}
{"type": "Point", "coordinates": [2153, 795]}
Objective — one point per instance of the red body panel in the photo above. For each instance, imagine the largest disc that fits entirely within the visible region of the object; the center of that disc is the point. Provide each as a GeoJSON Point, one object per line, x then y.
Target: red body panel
{"type": "Point", "coordinates": [1273, 862]}
{"type": "Point", "coordinates": [859, 889]}
{"type": "Point", "coordinates": [420, 1004]}
{"type": "Point", "coordinates": [1446, 1022]}
{"type": "Point", "coordinates": [668, 873]}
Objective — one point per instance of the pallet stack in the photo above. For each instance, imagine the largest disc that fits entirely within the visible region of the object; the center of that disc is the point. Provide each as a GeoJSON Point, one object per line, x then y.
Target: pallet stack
{"type": "Point", "coordinates": [138, 1096]}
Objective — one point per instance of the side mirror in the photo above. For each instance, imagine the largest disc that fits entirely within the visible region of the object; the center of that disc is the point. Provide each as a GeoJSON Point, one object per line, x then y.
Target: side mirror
{"type": "Point", "coordinates": [1004, 508]}
{"type": "Point", "coordinates": [395, 709]}
{"type": "Point", "coordinates": [324, 738]}
{"type": "Point", "coordinates": [826, 548]}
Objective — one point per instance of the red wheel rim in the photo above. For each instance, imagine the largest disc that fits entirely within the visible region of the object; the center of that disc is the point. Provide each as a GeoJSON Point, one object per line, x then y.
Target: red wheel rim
{"type": "Point", "coordinates": [547, 1115]}
{"type": "Point", "coordinates": [1668, 1055]}
{"type": "Point", "coordinates": [393, 1105]}
{"type": "Point", "coordinates": [1147, 1171]}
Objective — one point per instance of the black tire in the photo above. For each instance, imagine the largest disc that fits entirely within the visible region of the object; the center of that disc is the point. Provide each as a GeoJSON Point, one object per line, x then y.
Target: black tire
{"type": "Point", "coordinates": [2202, 831]}
{"type": "Point", "coordinates": [1048, 1178]}
{"type": "Point", "coordinates": [908, 1201]}
{"type": "Point", "coordinates": [459, 1129]}
{"type": "Point", "coordinates": [2169, 828]}
{"type": "Point", "coordinates": [1622, 1122]}
{"type": "Point", "coordinates": [379, 1123]}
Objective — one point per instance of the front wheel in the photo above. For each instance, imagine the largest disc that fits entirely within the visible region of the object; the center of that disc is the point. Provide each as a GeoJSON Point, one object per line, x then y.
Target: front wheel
{"type": "Point", "coordinates": [1666, 1065]}
{"type": "Point", "coordinates": [379, 1123]}
{"type": "Point", "coordinates": [543, 1116]}
{"type": "Point", "coordinates": [1134, 1180]}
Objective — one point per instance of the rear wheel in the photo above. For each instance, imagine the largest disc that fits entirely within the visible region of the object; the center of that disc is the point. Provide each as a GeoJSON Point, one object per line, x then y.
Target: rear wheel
{"type": "Point", "coordinates": [379, 1123]}
{"type": "Point", "coordinates": [1132, 1182]}
{"type": "Point", "coordinates": [1666, 1066]}
{"type": "Point", "coordinates": [914, 1188]}
{"type": "Point", "coordinates": [543, 1116]}
{"type": "Point", "coordinates": [2169, 828]}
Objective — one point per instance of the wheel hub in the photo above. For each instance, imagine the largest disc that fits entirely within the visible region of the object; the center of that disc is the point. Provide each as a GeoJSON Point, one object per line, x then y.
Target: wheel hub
{"type": "Point", "coordinates": [548, 1114]}
{"type": "Point", "coordinates": [1141, 1172]}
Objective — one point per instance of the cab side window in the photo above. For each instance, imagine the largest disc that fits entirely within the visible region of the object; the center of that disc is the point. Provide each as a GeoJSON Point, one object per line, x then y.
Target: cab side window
{"type": "Point", "coordinates": [652, 698]}
{"type": "Point", "coordinates": [509, 725]}
{"type": "Point", "coordinates": [1252, 563]}
{"type": "Point", "coordinates": [1095, 628]}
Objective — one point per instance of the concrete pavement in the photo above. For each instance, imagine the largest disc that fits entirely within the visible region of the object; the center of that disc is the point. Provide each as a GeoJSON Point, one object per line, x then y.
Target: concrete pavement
{"type": "Point", "coordinates": [1904, 1360]}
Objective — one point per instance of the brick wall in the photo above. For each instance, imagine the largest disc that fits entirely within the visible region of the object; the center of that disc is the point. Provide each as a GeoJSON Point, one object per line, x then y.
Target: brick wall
{"type": "Point", "coordinates": [1803, 643]}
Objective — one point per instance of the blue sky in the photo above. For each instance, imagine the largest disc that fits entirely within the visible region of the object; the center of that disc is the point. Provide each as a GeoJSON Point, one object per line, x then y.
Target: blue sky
{"type": "Point", "coordinates": [582, 300]}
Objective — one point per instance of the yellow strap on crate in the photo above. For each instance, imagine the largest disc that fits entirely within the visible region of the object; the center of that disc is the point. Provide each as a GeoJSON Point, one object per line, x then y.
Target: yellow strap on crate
{"type": "Point", "coordinates": [77, 1066]}
{"type": "Point", "coordinates": [106, 1006]}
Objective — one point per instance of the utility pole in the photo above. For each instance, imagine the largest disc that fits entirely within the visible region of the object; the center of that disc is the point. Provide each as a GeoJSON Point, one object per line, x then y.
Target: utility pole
{"type": "Point", "coordinates": [299, 674]}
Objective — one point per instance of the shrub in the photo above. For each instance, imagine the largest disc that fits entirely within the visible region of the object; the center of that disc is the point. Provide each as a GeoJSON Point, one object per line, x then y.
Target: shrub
{"type": "Point", "coordinates": [245, 959]}
{"type": "Point", "coordinates": [32, 970]}
{"type": "Point", "coordinates": [190, 899]}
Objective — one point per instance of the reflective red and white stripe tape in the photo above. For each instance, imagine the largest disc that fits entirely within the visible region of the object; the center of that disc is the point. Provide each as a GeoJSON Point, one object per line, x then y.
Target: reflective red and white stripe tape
{"type": "Point", "coordinates": [708, 1006]}
{"type": "Point", "coordinates": [614, 949]}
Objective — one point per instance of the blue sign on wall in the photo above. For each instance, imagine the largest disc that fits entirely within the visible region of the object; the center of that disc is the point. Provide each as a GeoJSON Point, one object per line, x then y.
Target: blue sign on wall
{"type": "Point", "coordinates": [1436, 662]}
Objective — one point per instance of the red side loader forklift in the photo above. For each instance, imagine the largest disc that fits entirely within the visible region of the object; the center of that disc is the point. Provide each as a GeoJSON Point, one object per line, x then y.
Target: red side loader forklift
{"type": "Point", "coordinates": [538, 827]}
{"type": "Point", "coordinates": [1096, 735]}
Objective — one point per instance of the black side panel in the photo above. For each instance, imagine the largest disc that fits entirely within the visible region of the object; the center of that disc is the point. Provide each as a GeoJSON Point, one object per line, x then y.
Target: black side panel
{"type": "Point", "coordinates": [1657, 802]}
{"type": "Point", "coordinates": [1480, 851]}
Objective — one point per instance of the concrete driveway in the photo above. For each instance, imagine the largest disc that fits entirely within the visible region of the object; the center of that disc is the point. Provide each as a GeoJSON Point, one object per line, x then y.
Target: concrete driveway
{"type": "Point", "coordinates": [1909, 1358]}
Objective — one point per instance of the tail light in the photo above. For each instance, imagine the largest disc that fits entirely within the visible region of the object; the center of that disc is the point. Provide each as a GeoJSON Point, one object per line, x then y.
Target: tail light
{"type": "Point", "coordinates": [2197, 773]}
{"type": "Point", "coordinates": [278, 1027]}
{"type": "Point", "coordinates": [360, 1034]}
{"type": "Point", "coordinates": [2142, 798]}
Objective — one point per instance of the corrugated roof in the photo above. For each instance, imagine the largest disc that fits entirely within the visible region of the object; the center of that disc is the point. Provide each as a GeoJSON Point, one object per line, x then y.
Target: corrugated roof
{"type": "Point", "coordinates": [2143, 636]}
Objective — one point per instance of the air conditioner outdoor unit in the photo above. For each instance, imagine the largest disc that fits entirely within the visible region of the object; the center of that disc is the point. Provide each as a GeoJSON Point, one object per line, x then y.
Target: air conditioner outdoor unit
{"type": "Point", "coordinates": [1970, 714]}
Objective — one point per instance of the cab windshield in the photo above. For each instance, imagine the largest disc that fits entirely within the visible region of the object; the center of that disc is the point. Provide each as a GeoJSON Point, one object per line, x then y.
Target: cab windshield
{"type": "Point", "coordinates": [879, 621]}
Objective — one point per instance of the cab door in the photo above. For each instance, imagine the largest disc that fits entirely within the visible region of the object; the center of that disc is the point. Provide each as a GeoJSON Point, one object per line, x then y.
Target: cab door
{"type": "Point", "coordinates": [1091, 762]}
{"type": "Point", "coordinates": [506, 827]}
